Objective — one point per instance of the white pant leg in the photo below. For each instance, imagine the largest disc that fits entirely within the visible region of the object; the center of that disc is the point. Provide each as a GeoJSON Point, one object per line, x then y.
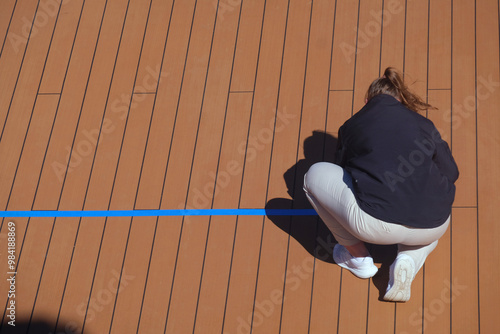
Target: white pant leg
{"type": "Point", "coordinates": [329, 189]}
{"type": "Point", "coordinates": [329, 195]}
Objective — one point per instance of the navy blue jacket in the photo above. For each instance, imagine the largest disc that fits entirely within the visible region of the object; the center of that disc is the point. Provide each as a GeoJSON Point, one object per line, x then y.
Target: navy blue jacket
{"type": "Point", "coordinates": [402, 171]}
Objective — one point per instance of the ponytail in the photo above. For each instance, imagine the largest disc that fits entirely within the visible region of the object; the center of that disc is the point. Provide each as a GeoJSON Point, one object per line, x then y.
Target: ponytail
{"type": "Point", "coordinates": [393, 84]}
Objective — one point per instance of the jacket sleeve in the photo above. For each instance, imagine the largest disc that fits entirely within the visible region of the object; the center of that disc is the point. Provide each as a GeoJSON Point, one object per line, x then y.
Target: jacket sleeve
{"type": "Point", "coordinates": [444, 160]}
{"type": "Point", "coordinates": [340, 151]}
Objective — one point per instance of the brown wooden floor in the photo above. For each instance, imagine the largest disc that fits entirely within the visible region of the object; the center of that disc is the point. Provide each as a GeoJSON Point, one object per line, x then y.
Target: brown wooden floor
{"type": "Point", "coordinates": [153, 104]}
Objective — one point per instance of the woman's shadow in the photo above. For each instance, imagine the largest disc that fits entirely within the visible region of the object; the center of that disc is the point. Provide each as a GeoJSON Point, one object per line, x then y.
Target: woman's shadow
{"type": "Point", "coordinates": [310, 231]}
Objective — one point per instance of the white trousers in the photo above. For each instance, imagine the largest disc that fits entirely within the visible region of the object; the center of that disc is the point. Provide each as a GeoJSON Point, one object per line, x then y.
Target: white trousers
{"type": "Point", "coordinates": [329, 189]}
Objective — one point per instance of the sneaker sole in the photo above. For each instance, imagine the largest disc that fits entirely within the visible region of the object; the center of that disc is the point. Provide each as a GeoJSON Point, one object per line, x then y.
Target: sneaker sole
{"type": "Point", "coordinates": [403, 276]}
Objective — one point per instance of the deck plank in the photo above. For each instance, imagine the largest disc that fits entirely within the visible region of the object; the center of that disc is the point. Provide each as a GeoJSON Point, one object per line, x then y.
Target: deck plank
{"type": "Point", "coordinates": [367, 58]}
{"type": "Point", "coordinates": [133, 275]}
{"type": "Point", "coordinates": [464, 283]}
{"type": "Point", "coordinates": [326, 286]}
{"type": "Point", "coordinates": [353, 303]}
{"type": "Point", "coordinates": [30, 261]}
{"type": "Point", "coordinates": [24, 186]}
{"type": "Point", "coordinates": [344, 45]}
{"type": "Point", "coordinates": [76, 304]}
{"type": "Point", "coordinates": [488, 178]}
{"type": "Point", "coordinates": [62, 44]}
{"type": "Point", "coordinates": [405, 312]}
{"type": "Point", "coordinates": [13, 54]}
{"type": "Point", "coordinates": [247, 49]}
{"type": "Point", "coordinates": [21, 225]}
{"type": "Point", "coordinates": [393, 33]}
{"type": "Point", "coordinates": [157, 291]}
{"type": "Point", "coordinates": [216, 271]}
{"type": "Point", "coordinates": [6, 12]}
{"type": "Point", "coordinates": [416, 50]}
{"type": "Point", "coordinates": [239, 312]}
{"type": "Point", "coordinates": [437, 304]}
{"type": "Point", "coordinates": [54, 276]}
{"type": "Point", "coordinates": [440, 45]}
{"type": "Point", "coordinates": [151, 68]}
{"type": "Point", "coordinates": [437, 268]}
{"type": "Point", "coordinates": [464, 102]}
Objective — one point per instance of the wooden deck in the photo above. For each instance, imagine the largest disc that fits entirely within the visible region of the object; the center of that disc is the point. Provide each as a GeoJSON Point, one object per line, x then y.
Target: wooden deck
{"type": "Point", "coordinates": [199, 104]}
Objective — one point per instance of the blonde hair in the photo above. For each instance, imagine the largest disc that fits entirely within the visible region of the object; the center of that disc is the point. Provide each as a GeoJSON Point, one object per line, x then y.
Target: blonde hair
{"type": "Point", "coordinates": [392, 83]}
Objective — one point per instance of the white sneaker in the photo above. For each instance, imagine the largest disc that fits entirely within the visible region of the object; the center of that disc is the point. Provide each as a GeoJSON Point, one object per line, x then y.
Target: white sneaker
{"type": "Point", "coordinates": [362, 267]}
{"type": "Point", "coordinates": [401, 275]}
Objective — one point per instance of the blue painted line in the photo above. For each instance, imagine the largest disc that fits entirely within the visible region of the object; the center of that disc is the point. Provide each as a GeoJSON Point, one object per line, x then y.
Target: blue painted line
{"type": "Point", "coordinates": [153, 213]}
